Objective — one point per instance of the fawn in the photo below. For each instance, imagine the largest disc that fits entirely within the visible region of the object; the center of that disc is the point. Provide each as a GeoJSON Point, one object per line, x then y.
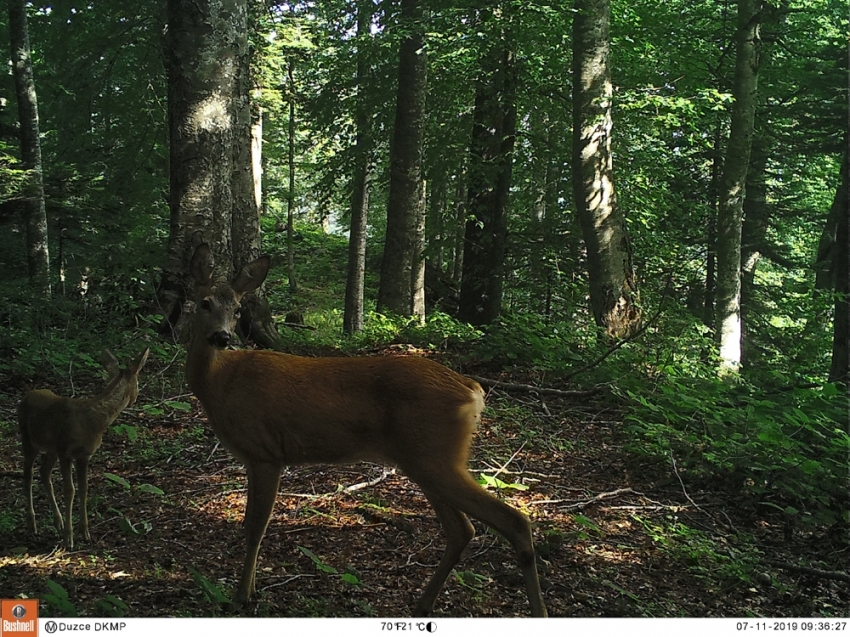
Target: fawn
{"type": "Point", "coordinates": [272, 409]}
{"type": "Point", "coordinates": [71, 430]}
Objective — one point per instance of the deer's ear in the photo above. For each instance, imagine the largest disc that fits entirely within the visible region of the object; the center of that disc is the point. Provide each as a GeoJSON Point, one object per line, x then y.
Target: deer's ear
{"type": "Point", "coordinates": [252, 275]}
{"type": "Point", "coordinates": [139, 362]}
{"type": "Point", "coordinates": [202, 265]}
{"type": "Point", "coordinates": [109, 362]}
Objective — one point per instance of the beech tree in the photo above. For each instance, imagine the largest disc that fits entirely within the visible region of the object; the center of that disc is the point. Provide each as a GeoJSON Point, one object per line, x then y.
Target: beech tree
{"type": "Point", "coordinates": [613, 287]}
{"type": "Point", "coordinates": [212, 188]}
{"type": "Point", "coordinates": [401, 266]}
{"type": "Point", "coordinates": [490, 169]}
{"type": "Point", "coordinates": [38, 257]}
{"type": "Point", "coordinates": [733, 185]}
{"type": "Point", "coordinates": [354, 286]}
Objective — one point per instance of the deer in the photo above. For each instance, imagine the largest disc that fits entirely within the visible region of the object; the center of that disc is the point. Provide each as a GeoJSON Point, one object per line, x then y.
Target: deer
{"type": "Point", "coordinates": [272, 410]}
{"type": "Point", "coordinates": [71, 430]}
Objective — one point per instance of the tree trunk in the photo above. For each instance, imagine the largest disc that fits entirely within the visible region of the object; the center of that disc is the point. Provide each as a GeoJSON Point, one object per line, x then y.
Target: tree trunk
{"type": "Point", "coordinates": [711, 230]}
{"type": "Point", "coordinates": [213, 195]}
{"type": "Point", "coordinates": [839, 371]}
{"type": "Point", "coordinates": [255, 322]}
{"type": "Point", "coordinates": [825, 260]}
{"type": "Point", "coordinates": [352, 321]}
{"type": "Point", "coordinates": [396, 292]}
{"type": "Point", "coordinates": [290, 195]}
{"type": "Point", "coordinates": [613, 287]}
{"type": "Point", "coordinates": [38, 261]}
{"type": "Point", "coordinates": [733, 185]}
{"type": "Point", "coordinates": [490, 172]}
{"type": "Point", "coordinates": [754, 231]}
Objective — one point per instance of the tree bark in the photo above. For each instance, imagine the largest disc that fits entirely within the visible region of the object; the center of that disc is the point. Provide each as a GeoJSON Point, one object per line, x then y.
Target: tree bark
{"type": "Point", "coordinates": [839, 371]}
{"type": "Point", "coordinates": [733, 185]}
{"type": "Point", "coordinates": [38, 257]}
{"type": "Point", "coordinates": [613, 287]}
{"type": "Point", "coordinates": [213, 197]}
{"type": "Point", "coordinates": [290, 195]}
{"type": "Point", "coordinates": [352, 321]}
{"type": "Point", "coordinates": [396, 292]}
{"type": "Point", "coordinates": [490, 172]}
{"type": "Point", "coordinates": [255, 322]}
{"type": "Point", "coordinates": [825, 260]}
{"type": "Point", "coordinates": [755, 223]}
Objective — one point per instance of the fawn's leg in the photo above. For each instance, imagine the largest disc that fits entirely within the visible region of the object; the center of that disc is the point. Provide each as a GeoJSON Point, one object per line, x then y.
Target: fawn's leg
{"type": "Point", "coordinates": [82, 465]}
{"type": "Point", "coordinates": [68, 492]}
{"type": "Point", "coordinates": [47, 464]}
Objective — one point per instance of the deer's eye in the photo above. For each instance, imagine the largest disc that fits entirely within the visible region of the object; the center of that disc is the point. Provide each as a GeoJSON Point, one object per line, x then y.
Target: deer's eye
{"type": "Point", "coordinates": [206, 305]}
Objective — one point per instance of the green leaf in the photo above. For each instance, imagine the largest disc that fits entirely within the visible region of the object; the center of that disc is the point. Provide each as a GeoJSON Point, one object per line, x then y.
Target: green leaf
{"type": "Point", "coordinates": [349, 578]}
{"type": "Point", "coordinates": [149, 488]}
{"type": "Point", "coordinates": [117, 480]}
{"type": "Point", "coordinates": [317, 561]}
{"type": "Point", "coordinates": [179, 405]}
{"type": "Point", "coordinates": [211, 591]}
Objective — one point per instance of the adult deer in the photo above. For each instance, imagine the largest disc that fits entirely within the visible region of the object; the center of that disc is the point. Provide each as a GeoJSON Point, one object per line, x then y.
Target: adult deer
{"type": "Point", "coordinates": [71, 430]}
{"type": "Point", "coordinates": [272, 409]}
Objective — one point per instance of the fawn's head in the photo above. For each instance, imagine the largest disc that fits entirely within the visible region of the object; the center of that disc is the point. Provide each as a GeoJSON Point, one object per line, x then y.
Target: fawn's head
{"type": "Point", "coordinates": [217, 302]}
{"type": "Point", "coordinates": [130, 373]}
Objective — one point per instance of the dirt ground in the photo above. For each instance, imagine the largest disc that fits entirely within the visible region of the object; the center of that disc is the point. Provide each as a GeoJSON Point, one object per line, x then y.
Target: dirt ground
{"type": "Point", "coordinates": [617, 535]}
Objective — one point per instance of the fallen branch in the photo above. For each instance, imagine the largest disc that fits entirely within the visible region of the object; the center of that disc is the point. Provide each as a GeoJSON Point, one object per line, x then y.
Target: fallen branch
{"type": "Point", "coordinates": [596, 498]}
{"type": "Point", "coordinates": [808, 570]}
{"type": "Point", "coordinates": [298, 326]}
{"type": "Point", "coordinates": [498, 384]}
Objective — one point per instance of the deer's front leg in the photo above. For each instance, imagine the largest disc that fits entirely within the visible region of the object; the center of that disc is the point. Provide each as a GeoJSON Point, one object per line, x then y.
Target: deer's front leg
{"type": "Point", "coordinates": [68, 492]}
{"type": "Point", "coordinates": [263, 481]}
{"type": "Point", "coordinates": [83, 485]}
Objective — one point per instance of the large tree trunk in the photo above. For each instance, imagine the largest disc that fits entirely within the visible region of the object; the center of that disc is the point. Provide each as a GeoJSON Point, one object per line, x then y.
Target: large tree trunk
{"type": "Point", "coordinates": [490, 171]}
{"type": "Point", "coordinates": [753, 232]}
{"type": "Point", "coordinates": [396, 292]}
{"type": "Point", "coordinates": [38, 262]}
{"type": "Point", "coordinates": [730, 212]}
{"type": "Point", "coordinates": [825, 260]}
{"type": "Point", "coordinates": [352, 321]}
{"type": "Point", "coordinates": [613, 287]}
{"type": "Point", "coordinates": [255, 322]}
{"type": "Point", "coordinates": [213, 195]}
{"type": "Point", "coordinates": [839, 371]}
{"type": "Point", "coordinates": [290, 194]}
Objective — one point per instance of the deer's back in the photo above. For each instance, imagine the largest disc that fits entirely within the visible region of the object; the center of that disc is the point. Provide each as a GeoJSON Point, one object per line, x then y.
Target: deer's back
{"type": "Point", "coordinates": [287, 409]}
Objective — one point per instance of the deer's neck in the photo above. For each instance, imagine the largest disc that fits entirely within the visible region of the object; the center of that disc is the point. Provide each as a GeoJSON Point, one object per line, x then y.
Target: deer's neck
{"type": "Point", "coordinates": [111, 401]}
{"type": "Point", "coordinates": [200, 364]}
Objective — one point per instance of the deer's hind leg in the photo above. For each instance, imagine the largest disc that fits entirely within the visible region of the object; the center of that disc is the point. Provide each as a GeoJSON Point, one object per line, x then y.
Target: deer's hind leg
{"type": "Point", "coordinates": [47, 464]}
{"type": "Point", "coordinates": [459, 532]}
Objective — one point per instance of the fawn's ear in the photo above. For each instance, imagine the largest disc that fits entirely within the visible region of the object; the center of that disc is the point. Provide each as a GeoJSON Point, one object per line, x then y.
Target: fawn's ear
{"type": "Point", "coordinates": [140, 361]}
{"type": "Point", "coordinates": [251, 276]}
{"type": "Point", "coordinates": [202, 265]}
{"type": "Point", "coordinates": [109, 363]}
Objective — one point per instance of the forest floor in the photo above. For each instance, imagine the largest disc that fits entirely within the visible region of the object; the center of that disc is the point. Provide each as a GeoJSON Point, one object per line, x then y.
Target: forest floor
{"type": "Point", "coordinates": [617, 534]}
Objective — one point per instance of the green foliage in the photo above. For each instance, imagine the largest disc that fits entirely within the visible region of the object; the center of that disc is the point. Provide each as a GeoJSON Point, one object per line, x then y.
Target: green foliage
{"type": "Point", "coordinates": [112, 606]}
{"type": "Point", "coordinates": [144, 488]}
{"type": "Point", "coordinates": [529, 340]}
{"type": "Point", "coordinates": [58, 601]}
{"type": "Point", "coordinates": [129, 528]}
{"type": "Point", "coordinates": [494, 482]}
{"type": "Point", "coordinates": [786, 449]}
{"type": "Point", "coordinates": [348, 576]}
{"type": "Point", "coordinates": [700, 553]}
{"type": "Point", "coordinates": [212, 592]}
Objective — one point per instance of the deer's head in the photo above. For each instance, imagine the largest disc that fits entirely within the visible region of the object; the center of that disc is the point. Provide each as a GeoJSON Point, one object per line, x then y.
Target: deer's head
{"type": "Point", "coordinates": [217, 302]}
